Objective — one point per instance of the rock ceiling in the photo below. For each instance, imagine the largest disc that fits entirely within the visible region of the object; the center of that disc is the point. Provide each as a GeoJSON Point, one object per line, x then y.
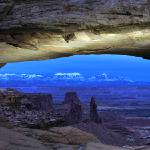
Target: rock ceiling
{"type": "Point", "coordinates": [37, 30]}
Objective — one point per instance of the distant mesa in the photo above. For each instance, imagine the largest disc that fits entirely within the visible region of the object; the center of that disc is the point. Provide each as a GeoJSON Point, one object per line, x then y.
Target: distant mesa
{"type": "Point", "coordinates": [38, 101]}
{"type": "Point", "coordinates": [29, 101]}
{"type": "Point", "coordinates": [10, 97]}
{"type": "Point", "coordinates": [71, 97]}
{"type": "Point", "coordinates": [74, 114]}
{"type": "Point", "coordinates": [74, 108]}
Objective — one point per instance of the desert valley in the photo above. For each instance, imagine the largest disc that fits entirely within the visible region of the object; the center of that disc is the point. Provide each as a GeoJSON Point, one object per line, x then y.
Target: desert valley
{"type": "Point", "coordinates": [111, 110]}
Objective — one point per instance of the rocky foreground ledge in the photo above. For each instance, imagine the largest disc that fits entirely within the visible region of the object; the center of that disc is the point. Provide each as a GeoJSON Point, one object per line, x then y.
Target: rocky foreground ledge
{"type": "Point", "coordinates": [62, 138]}
{"type": "Point", "coordinates": [36, 30]}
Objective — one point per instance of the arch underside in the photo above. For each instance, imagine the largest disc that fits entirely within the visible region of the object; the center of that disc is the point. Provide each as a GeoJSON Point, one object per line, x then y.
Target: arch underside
{"type": "Point", "coordinates": [37, 30]}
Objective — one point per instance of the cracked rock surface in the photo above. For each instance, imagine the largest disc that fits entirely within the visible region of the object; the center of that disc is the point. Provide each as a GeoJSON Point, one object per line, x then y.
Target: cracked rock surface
{"type": "Point", "coordinates": [36, 30]}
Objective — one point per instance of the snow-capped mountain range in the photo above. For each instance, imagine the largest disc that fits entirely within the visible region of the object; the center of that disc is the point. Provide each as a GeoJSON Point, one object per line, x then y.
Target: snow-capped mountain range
{"type": "Point", "coordinates": [10, 76]}
{"type": "Point", "coordinates": [74, 76]}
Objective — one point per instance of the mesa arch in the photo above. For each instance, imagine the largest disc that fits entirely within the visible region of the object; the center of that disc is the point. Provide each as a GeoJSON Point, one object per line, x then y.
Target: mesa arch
{"type": "Point", "coordinates": [37, 30]}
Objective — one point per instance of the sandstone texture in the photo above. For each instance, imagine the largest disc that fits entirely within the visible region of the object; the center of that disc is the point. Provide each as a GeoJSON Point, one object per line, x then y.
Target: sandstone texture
{"type": "Point", "coordinates": [75, 114]}
{"type": "Point", "coordinates": [43, 102]}
{"type": "Point", "coordinates": [55, 139]}
{"type": "Point", "coordinates": [99, 146]}
{"type": "Point", "coordinates": [65, 135]}
{"type": "Point", "coordinates": [36, 30]}
{"type": "Point", "coordinates": [10, 140]}
{"type": "Point", "coordinates": [94, 116]}
{"type": "Point", "coordinates": [71, 97]}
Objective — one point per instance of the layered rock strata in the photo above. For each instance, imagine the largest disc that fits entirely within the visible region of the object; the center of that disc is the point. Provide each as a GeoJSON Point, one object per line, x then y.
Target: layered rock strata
{"type": "Point", "coordinates": [36, 30]}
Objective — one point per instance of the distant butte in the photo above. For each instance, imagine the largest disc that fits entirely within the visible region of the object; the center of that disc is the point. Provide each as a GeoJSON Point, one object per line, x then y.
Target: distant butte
{"type": "Point", "coordinates": [37, 30]}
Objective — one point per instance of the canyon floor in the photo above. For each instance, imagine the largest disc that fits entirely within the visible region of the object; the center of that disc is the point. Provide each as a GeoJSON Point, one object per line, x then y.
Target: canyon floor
{"type": "Point", "coordinates": [31, 121]}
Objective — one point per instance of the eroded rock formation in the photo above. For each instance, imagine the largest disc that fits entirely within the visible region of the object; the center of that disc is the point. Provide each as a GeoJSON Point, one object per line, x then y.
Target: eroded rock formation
{"type": "Point", "coordinates": [43, 102]}
{"type": "Point", "coordinates": [74, 108]}
{"type": "Point", "coordinates": [33, 29]}
{"type": "Point", "coordinates": [75, 113]}
{"type": "Point", "coordinates": [10, 97]}
{"type": "Point", "coordinates": [93, 111]}
{"type": "Point", "coordinates": [71, 97]}
{"type": "Point", "coordinates": [31, 101]}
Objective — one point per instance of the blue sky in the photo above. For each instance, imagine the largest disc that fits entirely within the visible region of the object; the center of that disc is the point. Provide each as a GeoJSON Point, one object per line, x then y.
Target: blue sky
{"type": "Point", "coordinates": [127, 66]}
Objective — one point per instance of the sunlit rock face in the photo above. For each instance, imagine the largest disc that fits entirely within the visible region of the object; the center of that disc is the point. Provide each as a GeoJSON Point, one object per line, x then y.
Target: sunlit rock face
{"type": "Point", "coordinates": [36, 30]}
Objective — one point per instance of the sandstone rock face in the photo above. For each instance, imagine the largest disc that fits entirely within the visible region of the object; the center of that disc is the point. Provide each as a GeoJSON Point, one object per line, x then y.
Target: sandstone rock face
{"type": "Point", "coordinates": [65, 135]}
{"type": "Point", "coordinates": [10, 97]}
{"type": "Point", "coordinates": [14, 98]}
{"type": "Point", "coordinates": [66, 138]}
{"type": "Point", "coordinates": [111, 137]}
{"type": "Point", "coordinates": [35, 30]}
{"type": "Point", "coordinates": [74, 108]}
{"type": "Point", "coordinates": [99, 146]}
{"type": "Point", "coordinates": [43, 102]}
{"type": "Point", "coordinates": [75, 114]}
{"type": "Point", "coordinates": [15, 141]}
{"type": "Point", "coordinates": [93, 111]}
{"type": "Point", "coordinates": [71, 97]}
